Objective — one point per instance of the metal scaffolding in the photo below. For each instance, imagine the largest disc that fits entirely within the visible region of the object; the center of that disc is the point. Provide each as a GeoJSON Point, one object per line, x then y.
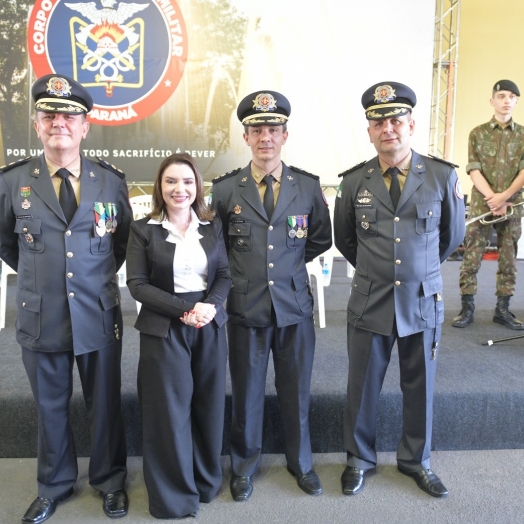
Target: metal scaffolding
{"type": "Point", "coordinates": [445, 61]}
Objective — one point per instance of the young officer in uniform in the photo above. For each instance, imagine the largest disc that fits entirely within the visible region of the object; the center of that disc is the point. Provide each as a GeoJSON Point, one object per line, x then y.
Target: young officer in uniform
{"type": "Point", "coordinates": [397, 218]}
{"type": "Point", "coordinates": [496, 168]}
{"type": "Point", "coordinates": [64, 223]}
{"type": "Point", "coordinates": [275, 220]}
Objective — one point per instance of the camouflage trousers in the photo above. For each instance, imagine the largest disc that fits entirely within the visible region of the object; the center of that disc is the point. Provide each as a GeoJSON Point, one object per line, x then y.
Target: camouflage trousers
{"type": "Point", "coordinates": [475, 243]}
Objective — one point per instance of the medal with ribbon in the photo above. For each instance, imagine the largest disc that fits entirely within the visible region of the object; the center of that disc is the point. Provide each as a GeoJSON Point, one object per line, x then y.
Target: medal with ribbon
{"type": "Point", "coordinates": [300, 224]}
{"type": "Point", "coordinates": [100, 219]}
{"type": "Point", "coordinates": [292, 222]}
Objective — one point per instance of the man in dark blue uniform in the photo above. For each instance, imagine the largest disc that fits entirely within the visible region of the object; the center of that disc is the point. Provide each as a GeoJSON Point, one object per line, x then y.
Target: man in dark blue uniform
{"type": "Point", "coordinates": [275, 221]}
{"type": "Point", "coordinates": [397, 218]}
{"type": "Point", "coordinates": [64, 223]}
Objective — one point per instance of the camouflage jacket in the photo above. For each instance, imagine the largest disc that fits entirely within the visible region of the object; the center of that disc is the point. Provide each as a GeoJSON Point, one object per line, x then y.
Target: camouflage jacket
{"type": "Point", "coordinates": [499, 155]}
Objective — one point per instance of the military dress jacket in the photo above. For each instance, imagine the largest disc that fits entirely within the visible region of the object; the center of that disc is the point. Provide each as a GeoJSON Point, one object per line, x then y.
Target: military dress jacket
{"type": "Point", "coordinates": [67, 296]}
{"type": "Point", "coordinates": [150, 275]}
{"type": "Point", "coordinates": [268, 263]}
{"type": "Point", "coordinates": [397, 254]}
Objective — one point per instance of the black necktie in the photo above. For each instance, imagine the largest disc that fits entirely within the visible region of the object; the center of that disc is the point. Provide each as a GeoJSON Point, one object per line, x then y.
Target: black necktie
{"type": "Point", "coordinates": [394, 188]}
{"type": "Point", "coordinates": [269, 196]}
{"type": "Point", "coordinates": [66, 195]}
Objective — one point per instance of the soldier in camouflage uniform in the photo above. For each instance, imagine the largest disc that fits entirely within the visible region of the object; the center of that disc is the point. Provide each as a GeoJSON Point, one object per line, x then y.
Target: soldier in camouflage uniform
{"type": "Point", "coordinates": [496, 167]}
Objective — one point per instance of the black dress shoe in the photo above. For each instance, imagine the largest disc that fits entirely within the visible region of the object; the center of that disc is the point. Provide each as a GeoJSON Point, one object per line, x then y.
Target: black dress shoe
{"type": "Point", "coordinates": [116, 504]}
{"type": "Point", "coordinates": [354, 480]}
{"type": "Point", "coordinates": [427, 481]}
{"type": "Point", "coordinates": [308, 482]}
{"type": "Point", "coordinates": [41, 508]}
{"type": "Point", "coordinates": [241, 488]}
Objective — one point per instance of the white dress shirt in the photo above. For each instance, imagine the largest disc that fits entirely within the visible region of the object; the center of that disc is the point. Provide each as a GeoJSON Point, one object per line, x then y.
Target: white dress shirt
{"type": "Point", "coordinates": [190, 265]}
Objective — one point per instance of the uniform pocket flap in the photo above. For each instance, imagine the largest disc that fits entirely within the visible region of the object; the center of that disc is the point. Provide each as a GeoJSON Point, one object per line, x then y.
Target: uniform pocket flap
{"type": "Point", "coordinates": [109, 298]}
{"type": "Point", "coordinates": [368, 214]}
{"type": "Point", "coordinates": [28, 300]}
{"type": "Point", "coordinates": [432, 287]}
{"type": "Point", "coordinates": [428, 210]}
{"type": "Point", "coordinates": [239, 285]}
{"type": "Point", "coordinates": [360, 285]}
{"type": "Point", "coordinates": [241, 229]}
{"type": "Point", "coordinates": [32, 226]}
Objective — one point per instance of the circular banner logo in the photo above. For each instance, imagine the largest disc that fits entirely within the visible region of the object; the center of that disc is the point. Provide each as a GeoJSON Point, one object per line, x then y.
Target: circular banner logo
{"type": "Point", "coordinates": [130, 56]}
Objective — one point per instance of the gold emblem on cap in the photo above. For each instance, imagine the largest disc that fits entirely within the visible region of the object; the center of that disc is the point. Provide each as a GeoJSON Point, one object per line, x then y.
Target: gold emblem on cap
{"type": "Point", "coordinates": [384, 94]}
{"type": "Point", "coordinates": [498, 87]}
{"type": "Point", "coordinates": [237, 210]}
{"type": "Point", "coordinates": [58, 86]}
{"type": "Point", "coordinates": [264, 102]}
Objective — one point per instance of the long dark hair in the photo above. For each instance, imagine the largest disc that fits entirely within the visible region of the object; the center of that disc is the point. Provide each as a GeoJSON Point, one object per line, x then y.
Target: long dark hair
{"type": "Point", "coordinates": [158, 211]}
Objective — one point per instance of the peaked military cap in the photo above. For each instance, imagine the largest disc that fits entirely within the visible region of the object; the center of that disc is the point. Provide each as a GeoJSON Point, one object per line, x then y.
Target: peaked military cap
{"type": "Point", "coordinates": [388, 99]}
{"type": "Point", "coordinates": [506, 85]}
{"type": "Point", "coordinates": [61, 94]}
{"type": "Point", "coordinates": [264, 108]}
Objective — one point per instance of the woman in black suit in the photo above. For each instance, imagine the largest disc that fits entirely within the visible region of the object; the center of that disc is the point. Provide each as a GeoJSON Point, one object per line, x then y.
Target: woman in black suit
{"type": "Point", "coordinates": [177, 268]}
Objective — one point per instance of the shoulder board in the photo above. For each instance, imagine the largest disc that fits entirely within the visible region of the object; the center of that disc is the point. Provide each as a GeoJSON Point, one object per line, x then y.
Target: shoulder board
{"type": "Point", "coordinates": [301, 171]}
{"type": "Point", "coordinates": [229, 174]}
{"type": "Point", "coordinates": [443, 161]}
{"type": "Point", "coordinates": [16, 163]}
{"type": "Point", "coordinates": [111, 167]}
{"type": "Point", "coordinates": [354, 168]}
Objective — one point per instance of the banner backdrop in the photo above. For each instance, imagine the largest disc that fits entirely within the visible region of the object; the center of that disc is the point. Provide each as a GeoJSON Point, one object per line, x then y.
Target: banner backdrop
{"type": "Point", "coordinates": [166, 75]}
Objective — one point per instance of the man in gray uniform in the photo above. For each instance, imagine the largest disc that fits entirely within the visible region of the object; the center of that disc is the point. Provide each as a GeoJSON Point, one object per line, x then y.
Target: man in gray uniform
{"type": "Point", "coordinates": [397, 218]}
{"type": "Point", "coordinates": [64, 222]}
{"type": "Point", "coordinates": [275, 220]}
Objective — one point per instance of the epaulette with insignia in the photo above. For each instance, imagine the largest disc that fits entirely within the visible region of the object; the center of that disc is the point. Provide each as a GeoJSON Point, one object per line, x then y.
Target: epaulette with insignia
{"type": "Point", "coordinates": [111, 167]}
{"type": "Point", "coordinates": [16, 163]}
{"type": "Point", "coordinates": [298, 170]}
{"type": "Point", "coordinates": [354, 168]}
{"type": "Point", "coordinates": [447, 162]}
{"type": "Point", "coordinates": [229, 174]}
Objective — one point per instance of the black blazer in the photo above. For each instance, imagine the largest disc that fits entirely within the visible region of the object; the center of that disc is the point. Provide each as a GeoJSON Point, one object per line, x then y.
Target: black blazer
{"type": "Point", "coordinates": [150, 275]}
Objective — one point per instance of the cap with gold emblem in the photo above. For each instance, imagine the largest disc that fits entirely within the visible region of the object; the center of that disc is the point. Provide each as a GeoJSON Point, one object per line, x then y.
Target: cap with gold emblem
{"type": "Point", "coordinates": [388, 99]}
{"type": "Point", "coordinates": [506, 85]}
{"type": "Point", "coordinates": [264, 108]}
{"type": "Point", "coordinates": [61, 94]}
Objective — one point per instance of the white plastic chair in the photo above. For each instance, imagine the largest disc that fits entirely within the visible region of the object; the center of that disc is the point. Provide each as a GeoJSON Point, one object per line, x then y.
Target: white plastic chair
{"type": "Point", "coordinates": [334, 252]}
{"type": "Point", "coordinates": [6, 270]}
{"type": "Point", "coordinates": [141, 205]}
{"type": "Point", "coordinates": [314, 268]}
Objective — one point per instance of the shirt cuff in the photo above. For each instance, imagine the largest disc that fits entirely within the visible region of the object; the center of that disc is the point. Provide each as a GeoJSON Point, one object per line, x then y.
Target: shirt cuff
{"type": "Point", "coordinates": [473, 165]}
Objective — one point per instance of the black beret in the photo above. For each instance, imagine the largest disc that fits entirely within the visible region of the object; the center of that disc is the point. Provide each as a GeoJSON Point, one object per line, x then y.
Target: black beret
{"type": "Point", "coordinates": [388, 99]}
{"type": "Point", "coordinates": [61, 94]}
{"type": "Point", "coordinates": [264, 108]}
{"type": "Point", "coordinates": [506, 85]}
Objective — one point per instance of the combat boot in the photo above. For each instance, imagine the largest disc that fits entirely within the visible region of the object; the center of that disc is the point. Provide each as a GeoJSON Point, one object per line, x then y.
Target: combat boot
{"type": "Point", "coordinates": [504, 316]}
{"type": "Point", "coordinates": [465, 317]}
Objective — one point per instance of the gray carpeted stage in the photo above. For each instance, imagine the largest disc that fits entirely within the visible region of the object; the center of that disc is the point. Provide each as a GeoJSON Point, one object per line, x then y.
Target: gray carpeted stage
{"type": "Point", "coordinates": [479, 398]}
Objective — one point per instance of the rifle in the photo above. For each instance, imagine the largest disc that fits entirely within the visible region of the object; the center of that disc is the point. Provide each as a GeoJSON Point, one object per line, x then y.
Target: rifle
{"type": "Point", "coordinates": [483, 218]}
